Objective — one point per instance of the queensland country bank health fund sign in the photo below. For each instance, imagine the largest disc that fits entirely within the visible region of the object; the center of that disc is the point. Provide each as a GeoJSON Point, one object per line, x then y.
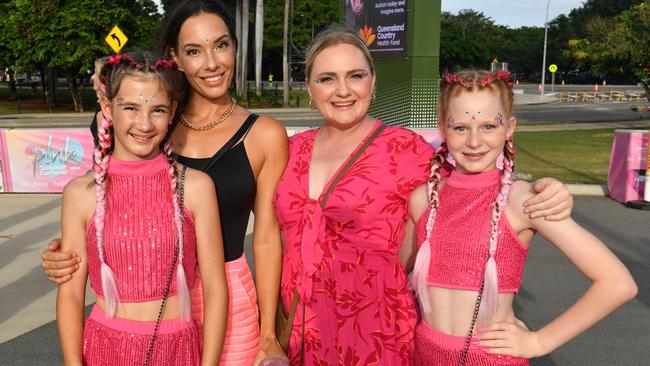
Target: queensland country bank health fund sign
{"type": "Point", "coordinates": [382, 24]}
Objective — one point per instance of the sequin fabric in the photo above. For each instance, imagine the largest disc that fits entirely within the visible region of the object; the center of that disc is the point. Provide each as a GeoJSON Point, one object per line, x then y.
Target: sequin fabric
{"type": "Point", "coordinates": [433, 348]}
{"type": "Point", "coordinates": [459, 241]}
{"type": "Point", "coordinates": [122, 342]}
{"type": "Point", "coordinates": [140, 232]}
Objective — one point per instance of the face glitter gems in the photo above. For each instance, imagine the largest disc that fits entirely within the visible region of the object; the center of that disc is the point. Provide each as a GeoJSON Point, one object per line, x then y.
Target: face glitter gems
{"type": "Point", "coordinates": [120, 100]}
{"type": "Point", "coordinates": [147, 100]}
{"type": "Point", "coordinates": [499, 119]}
{"type": "Point", "coordinates": [450, 122]}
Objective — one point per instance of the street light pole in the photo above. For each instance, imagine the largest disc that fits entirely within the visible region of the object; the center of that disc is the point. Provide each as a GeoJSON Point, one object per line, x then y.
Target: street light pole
{"type": "Point", "coordinates": [544, 57]}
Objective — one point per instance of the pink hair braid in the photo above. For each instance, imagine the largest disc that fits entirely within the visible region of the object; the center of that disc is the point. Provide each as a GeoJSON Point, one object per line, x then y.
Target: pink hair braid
{"type": "Point", "coordinates": [423, 257]}
{"type": "Point", "coordinates": [490, 299]}
{"type": "Point", "coordinates": [181, 278]}
{"type": "Point", "coordinates": [101, 157]}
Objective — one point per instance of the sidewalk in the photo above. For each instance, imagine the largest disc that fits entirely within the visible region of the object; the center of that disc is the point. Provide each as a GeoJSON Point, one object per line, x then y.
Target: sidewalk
{"type": "Point", "coordinates": [28, 334]}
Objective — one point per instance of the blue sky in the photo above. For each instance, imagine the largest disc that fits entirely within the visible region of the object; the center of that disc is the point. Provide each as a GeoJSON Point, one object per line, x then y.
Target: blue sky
{"type": "Point", "coordinates": [518, 13]}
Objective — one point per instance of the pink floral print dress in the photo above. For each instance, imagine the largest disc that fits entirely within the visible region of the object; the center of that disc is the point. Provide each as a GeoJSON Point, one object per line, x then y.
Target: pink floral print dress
{"type": "Point", "coordinates": [343, 259]}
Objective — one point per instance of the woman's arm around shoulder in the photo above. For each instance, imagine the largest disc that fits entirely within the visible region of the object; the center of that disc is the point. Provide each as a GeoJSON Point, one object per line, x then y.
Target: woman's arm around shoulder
{"type": "Point", "coordinates": [270, 140]}
{"type": "Point", "coordinates": [418, 203]}
{"type": "Point", "coordinates": [78, 202]}
{"type": "Point", "coordinates": [612, 284]}
{"type": "Point", "coordinates": [201, 201]}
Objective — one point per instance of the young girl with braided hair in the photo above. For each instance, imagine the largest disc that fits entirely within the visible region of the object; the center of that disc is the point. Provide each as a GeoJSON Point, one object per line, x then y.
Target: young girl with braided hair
{"type": "Point", "coordinates": [141, 222]}
{"type": "Point", "coordinates": [474, 237]}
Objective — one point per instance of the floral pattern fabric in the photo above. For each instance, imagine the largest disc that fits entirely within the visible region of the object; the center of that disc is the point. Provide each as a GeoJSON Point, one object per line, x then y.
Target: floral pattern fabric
{"type": "Point", "coordinates": [343, 259]}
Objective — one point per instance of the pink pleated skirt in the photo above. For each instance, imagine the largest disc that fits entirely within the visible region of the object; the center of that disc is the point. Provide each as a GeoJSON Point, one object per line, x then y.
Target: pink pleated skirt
{"type": "Point", "coordinates": [120, 342]}
{"type": "Point", "coordinates": [434, 348]}
{"type": "Point", "coordinates": [242, 331]}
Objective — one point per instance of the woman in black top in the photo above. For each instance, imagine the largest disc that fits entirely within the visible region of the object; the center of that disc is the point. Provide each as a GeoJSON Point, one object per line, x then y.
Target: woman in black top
{"type": "Point", "coordinates": [244, 154]}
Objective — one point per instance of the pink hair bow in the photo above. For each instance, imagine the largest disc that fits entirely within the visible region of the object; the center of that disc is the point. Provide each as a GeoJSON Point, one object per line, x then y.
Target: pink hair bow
{"type": "Point", "coordinates": [165, 64]}
{"type": "Point", "coordinates": [453, 79]}
{"type": "Point", "coordinates": [114, 59]}
{"type": "Point", "coordinates": [505, 76]}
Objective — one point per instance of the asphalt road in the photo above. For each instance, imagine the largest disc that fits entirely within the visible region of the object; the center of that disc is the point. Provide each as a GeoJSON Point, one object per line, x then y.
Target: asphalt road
{"type": "Point", "coordinates": [580, 112]}
{"type": "Point", "coordinates": [526, 113]}
{"type": "Point", "coordinates": [550, 285]}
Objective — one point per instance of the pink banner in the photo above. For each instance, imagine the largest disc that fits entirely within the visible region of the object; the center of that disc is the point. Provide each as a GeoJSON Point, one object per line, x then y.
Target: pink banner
{"type": "Point", "coordinates": [627, 165]}
{"type": "Point", "coordinates": [44, 160]}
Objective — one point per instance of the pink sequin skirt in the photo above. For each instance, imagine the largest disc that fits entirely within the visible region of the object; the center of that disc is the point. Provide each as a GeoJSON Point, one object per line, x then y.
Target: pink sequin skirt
{"type": "Point", "coordinates": [435, 348]}
{"type": "Point", "coordinates": [118, 341]}
{"type": "Point", "coordinates": [242, 331]}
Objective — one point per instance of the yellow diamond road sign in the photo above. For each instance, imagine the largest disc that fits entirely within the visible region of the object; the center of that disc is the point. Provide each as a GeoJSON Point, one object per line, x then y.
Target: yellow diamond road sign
{"type": "Point", "coordinates": [116, 39]}
{"type": "Point", "coordinates": [552, 68]}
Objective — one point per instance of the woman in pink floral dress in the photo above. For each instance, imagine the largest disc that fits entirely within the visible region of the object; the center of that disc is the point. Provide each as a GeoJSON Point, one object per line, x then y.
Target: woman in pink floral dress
{"type": "Point", "coordinates": [343, 258]}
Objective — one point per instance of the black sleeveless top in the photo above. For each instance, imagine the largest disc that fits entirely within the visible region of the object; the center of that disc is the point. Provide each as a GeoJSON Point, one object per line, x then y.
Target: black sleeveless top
{"type": "Point", "coordinates": [234, 180]}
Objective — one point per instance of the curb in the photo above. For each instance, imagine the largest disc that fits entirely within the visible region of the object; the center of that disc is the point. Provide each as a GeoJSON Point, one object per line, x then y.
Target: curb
{"type": "Point", "coordinates": [588, 190]}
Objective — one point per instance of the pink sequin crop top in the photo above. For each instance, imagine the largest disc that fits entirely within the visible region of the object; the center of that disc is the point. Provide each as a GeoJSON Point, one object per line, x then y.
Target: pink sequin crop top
{"type": "Point", "coordinates": [139, 232]}
{"type": "Point", "coordinates": [459, 241]}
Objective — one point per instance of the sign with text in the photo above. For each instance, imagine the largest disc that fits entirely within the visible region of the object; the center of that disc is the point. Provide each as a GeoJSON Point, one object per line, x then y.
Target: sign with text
{"type": "Point", "coordinates": [44, 160]}
{"type": "Point", "coordinates": [382, 24]}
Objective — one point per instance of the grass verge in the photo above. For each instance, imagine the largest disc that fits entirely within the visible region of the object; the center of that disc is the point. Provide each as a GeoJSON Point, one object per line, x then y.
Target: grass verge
{"type": "Point", "coordinates": [580, 156]}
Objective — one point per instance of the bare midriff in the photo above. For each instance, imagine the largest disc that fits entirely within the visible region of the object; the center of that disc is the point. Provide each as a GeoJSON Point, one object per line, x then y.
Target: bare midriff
{"type": "Point", "coordinates": [146, 310]}
{"type": "Point", "coordinates": [452, 310]}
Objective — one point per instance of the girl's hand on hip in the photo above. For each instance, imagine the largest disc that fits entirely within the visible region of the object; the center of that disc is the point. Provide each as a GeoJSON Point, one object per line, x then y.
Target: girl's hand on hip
{"type": "Point", "coordinates": [510, 339]}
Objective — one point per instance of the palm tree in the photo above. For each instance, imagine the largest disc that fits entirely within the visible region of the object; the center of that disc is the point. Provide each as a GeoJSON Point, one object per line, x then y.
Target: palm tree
{"type": "Point", "coordinates": [259, 40]}
{"type": "Point", "coordinates": [238, 36]}
{"type": "Point", "coordinates": [285, 56]}
{"type": "Point", "coordinates": [244, 50]}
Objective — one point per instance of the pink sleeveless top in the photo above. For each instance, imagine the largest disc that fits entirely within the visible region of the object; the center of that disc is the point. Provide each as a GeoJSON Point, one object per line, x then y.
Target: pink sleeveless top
{"type": "Point", "coordinates": [459, 240]}
{"type": "Point", "coordinates": [139, 232]}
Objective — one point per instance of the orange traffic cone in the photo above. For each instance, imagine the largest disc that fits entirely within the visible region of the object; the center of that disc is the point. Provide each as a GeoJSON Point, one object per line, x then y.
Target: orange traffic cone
{"type": "Point", "coordinates": [604, 82]}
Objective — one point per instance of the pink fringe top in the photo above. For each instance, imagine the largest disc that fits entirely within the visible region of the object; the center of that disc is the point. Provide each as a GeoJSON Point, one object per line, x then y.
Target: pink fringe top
{"type": "Point", "coordinates": [139, 232]}
{"type": "Point", "coordinates": [459, 241]}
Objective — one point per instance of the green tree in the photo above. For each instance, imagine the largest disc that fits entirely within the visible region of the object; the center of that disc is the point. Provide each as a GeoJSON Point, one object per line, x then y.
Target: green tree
{"type": "Point", "coordinates": [616, 47]}
{"type": "Point", "coordinates": [65, 37]}
{"type": "Point", "coordinates": [464, 40]}
{"type": "Point", "coordinates": [307, 18]}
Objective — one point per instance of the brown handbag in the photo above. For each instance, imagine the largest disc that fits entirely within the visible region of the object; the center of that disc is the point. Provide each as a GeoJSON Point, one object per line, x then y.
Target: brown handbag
{"type": "Point", "coordinates": [284, 319]}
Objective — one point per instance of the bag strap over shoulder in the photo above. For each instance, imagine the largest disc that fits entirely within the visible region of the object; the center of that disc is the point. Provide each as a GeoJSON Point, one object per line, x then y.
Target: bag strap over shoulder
{"type": "Point", "coordinates": [349, 163]}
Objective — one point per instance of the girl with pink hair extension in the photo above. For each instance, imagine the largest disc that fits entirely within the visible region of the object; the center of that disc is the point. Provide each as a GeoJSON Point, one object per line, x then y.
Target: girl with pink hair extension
{"type": "Point", "coordinates": [139, 222]}
{"type": "Point", "coordinates": [475, 235]}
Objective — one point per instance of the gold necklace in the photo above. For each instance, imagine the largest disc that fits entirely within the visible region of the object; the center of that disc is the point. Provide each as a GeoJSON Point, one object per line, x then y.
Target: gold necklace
{"type": "Point", "coordinates": [210, 125]}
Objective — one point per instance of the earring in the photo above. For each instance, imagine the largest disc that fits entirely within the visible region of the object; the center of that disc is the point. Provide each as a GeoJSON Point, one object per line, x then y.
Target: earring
{"type": "Point", "coordinates": [311, 105]}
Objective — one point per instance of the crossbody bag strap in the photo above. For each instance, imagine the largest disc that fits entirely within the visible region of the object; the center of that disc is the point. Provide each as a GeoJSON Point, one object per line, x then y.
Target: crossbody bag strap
{"type": "Point", "coordinates": [338, 177]}
{"type": "Point", "coordinates": [170, 276]}
{"type": "Point", "coordinates": [349, 163]}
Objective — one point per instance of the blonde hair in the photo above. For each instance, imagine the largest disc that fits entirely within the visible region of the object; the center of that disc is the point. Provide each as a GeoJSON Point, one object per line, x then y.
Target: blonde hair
{"type": "Point", "coordinates": [333, 36]}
